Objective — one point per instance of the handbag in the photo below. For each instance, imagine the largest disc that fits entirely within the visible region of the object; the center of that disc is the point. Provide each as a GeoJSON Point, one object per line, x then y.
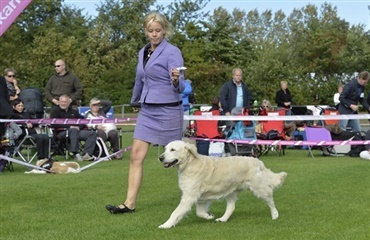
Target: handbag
{"type": "Point", "coordinates": [216, 149]}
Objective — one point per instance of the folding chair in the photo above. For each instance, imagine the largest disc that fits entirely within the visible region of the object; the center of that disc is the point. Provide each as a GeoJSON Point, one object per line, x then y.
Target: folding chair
{"type": "Point", "coordinates": [319, 134]}
{"type": "Point", "coordinates": [7, 151]}
{"type": "Point", "coordinates": [273, 130]}
{"type": "Point", "coordinates": [120, 141]}
{"type": "Point", "coordinates": [7, 147]}
{"type": "Point", "coordinates": [331, 111]}
{"type": "Point", "coordinates": [206, 129]}
{"type": "Point", "coordinates": [58, 144]}
{"type": "Point", "coordinates": [27, 143]}
{"type": "Point", "coordinates": [242, 130]}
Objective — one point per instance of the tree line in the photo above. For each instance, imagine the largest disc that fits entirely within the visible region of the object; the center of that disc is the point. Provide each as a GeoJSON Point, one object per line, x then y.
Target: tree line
{"type": "Point", "coordinates": [312, 48]}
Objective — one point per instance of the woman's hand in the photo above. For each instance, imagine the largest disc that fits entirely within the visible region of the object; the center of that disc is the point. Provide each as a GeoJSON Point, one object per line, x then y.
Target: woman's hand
{"type": "Point", "coordinates": [175, 74]}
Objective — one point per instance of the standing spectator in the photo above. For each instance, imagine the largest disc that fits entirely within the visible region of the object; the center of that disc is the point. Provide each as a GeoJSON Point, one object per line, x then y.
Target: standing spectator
{"type": "Point", "coordinates": [234, 93]}
{"type": "Point", "coordinates": [336, 96]}
{"type": "Point", "coordinates": [5, 108]}
{"type": "Point", "coordinates": [283, 98]}
{"type": "Point", "coordinates": [75, 132]}
{"type": "Point", "coordinates": [42, 140]}
{"type": "Point", "coordinates": [158, 85]}
{"type": "Point", "coordinates": [186, 101]}
{"type": "Point", "coordinates": [106, 131]}
{"type": "Point", "coordinates": [63, 82]}
{"type": "Point", "coordinates": [353, 92]}
{"type": "Point", "coordinates": [11, 83]}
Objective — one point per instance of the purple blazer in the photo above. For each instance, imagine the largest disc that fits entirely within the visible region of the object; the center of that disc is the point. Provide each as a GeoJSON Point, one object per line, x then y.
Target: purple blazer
{"type": "Point", "coordinates": [153, 83]}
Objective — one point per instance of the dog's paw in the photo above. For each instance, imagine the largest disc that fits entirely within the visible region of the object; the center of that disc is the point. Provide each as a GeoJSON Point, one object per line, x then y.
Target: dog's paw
{"type": "Point", "coordinates": [166, 226]}
{"type": "Point", "coordinates": [207, 216]}
{"type": "Point", "coordinates": [274, 215]}
{"type": "Point", "coordinates": [221, 220]}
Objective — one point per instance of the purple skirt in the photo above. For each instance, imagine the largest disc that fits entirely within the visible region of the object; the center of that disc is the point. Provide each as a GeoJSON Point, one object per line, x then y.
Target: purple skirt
{"type": "Point", "coordinates": [158, 124]}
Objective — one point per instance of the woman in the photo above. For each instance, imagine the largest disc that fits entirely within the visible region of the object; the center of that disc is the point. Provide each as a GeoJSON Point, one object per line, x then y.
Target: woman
{"type": "Point", "coordinates": [283, 98]}
{"type": "Point", "coordinates": [42, 140]}
{"type": "Point", "coordinates": [106, 131]}
{"type": "Point", "coordinates": [5, 108]}
{"type": "Point", "coordinates": [336, 96]}
{"type": "Point", "coordinates": [158, 85]}
{"type": "Point", "coordinates": [11, 83]}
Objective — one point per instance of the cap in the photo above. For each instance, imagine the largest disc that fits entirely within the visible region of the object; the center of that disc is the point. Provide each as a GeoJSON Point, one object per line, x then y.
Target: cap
{"type": "Point", "coordinates": [94, 101]}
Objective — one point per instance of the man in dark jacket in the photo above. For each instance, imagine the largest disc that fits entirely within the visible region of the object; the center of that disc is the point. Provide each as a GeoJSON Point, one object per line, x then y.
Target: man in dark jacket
{"type": "Point", "coordinates": [353, 92]}
{"type": "Point", "coordinates": [63, 82]}
{"type": "Point", "coordinates": [75, 131]}
{"type": "Point", "coordinates": [234, 93]}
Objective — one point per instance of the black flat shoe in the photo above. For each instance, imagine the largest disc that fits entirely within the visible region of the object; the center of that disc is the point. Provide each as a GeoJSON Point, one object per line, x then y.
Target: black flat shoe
{"type": "Point", "coordinates": [117, 210]}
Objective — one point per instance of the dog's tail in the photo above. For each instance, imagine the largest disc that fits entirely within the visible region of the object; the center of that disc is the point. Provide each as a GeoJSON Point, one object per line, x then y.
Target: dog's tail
{"type": "Point", "coordinates": [281, 178]}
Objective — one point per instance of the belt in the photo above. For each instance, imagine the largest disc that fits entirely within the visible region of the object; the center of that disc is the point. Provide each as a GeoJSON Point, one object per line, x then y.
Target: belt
{"type": "Point", "coordinates": [173, 104]}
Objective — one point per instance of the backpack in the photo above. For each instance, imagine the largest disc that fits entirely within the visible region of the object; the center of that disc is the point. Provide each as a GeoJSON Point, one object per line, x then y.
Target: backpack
{"type": "Point", "coordinates": [101, 149]}
{"type": "Point", "coordinates": [356, 149]}
{"type": "Point", "coordinates": [272, 134]}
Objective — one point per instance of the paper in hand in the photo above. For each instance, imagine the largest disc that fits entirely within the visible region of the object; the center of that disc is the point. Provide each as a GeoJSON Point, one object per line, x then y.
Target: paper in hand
{"type": "Point", "coordinates": [181, 68]}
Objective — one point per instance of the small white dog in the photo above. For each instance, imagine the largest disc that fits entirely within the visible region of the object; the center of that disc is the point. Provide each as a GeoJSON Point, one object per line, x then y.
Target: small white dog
{"type": "Point", "coordinates": [203, 179]}
{"type": "Point", "coordinates": [55, 167]}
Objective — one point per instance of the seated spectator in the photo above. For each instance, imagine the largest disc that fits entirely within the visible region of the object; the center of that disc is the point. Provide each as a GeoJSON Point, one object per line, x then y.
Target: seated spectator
{"type": "Point", "coordinates": [106, 131]}
{"type": "Point", "coordinates": [76, 132]}
{"type": "Point", "coordinates": [11, 83]}
{"type": "Point", "coordinates": [216, 105]}
{"type": "Point", "coordinates": [266, 106]}
{"type": "Point", "coordinates": [12, 133]}
{"type": "Point", "coordinates": [42, 140]}
{"type": "Point", "coordinates": [366, 153]}
{"type": "Point", "coordinates": [336, 96]}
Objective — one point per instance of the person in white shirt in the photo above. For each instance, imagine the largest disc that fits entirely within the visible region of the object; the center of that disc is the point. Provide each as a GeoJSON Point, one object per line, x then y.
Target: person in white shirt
{"type": "Point", "coordinates": [336, 95]}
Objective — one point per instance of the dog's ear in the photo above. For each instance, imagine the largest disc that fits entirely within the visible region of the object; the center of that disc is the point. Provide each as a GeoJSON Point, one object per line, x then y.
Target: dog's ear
{"type": "Point", "coordinates": [192, 149]}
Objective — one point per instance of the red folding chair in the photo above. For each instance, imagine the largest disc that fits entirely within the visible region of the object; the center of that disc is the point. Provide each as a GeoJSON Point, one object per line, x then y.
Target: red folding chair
{"type": "Point", "coordinates": [207, 128]}
{"type": "Point", "coordinates": [331, 111]}
{"type": "Point", "coordinates": [273, 130]}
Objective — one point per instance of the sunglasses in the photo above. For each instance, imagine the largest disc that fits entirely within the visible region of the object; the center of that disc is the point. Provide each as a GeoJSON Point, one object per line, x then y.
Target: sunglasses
{"type": "Point", "coordinates": [11, 76]}
{"type": "Point", "coordinates": [57, 65]}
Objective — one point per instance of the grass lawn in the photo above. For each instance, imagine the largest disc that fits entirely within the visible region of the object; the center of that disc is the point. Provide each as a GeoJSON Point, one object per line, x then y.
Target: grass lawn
{"type": "Point", "coordinates": [322, 198]}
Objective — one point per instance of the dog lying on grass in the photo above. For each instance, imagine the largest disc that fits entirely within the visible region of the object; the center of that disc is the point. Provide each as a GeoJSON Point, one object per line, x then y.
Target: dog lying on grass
{"type": "Point", "coordinates": [55, 167]}
{"type": "Point", "coordinates": [203, 179]}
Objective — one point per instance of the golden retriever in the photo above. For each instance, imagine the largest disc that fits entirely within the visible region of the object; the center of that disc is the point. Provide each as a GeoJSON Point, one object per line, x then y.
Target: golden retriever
{"type": "Point", "coordinates": [203, 179]}
{"type": "Point", "coordinates": [55, 167]}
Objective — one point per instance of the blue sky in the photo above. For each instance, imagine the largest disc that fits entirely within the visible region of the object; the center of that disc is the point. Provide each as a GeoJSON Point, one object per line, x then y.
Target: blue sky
{"type": "Point", "coordinates": [353, 11]}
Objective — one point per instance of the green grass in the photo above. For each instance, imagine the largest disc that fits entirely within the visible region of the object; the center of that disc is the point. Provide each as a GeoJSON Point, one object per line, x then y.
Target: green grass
{"type": "Point", "coordinates": [322, 198]}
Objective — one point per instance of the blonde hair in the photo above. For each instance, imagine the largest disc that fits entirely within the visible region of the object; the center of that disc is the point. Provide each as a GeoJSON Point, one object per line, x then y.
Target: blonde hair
{"type": "Point", "coordinates": [266, 103]}
{"type": "Point", "coordinates": [158, 18]}
{"type": "Point", "coordinates": [9, 70]}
